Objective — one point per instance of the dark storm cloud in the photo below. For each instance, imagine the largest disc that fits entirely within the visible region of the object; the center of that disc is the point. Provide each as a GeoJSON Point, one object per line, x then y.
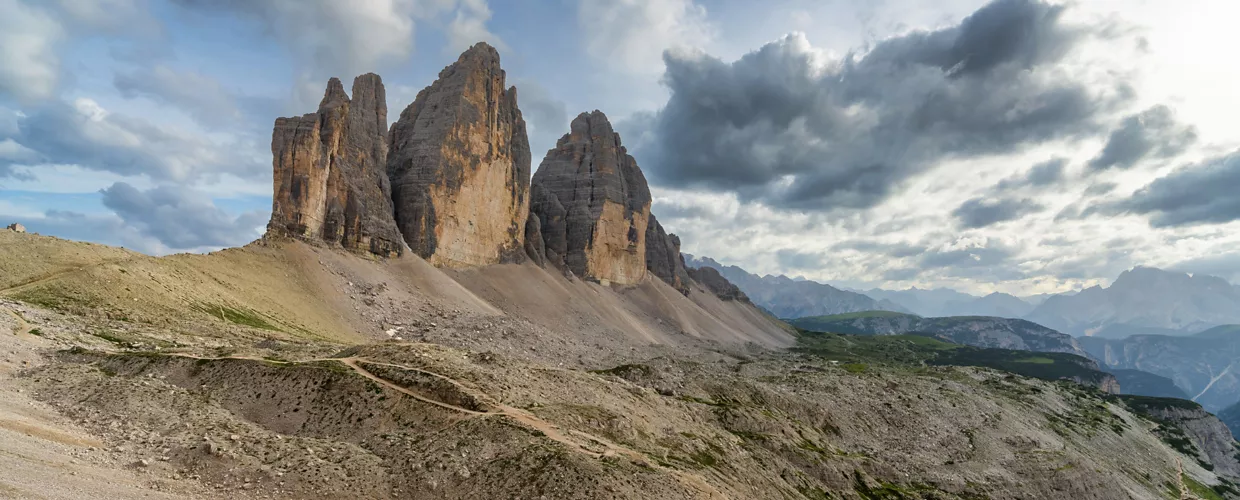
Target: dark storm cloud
{"type": "Point", "coordinates": [1047, 173]}
{"type": "Point", "coordinates": [796, 259]}
{"type": "Point", "coordinates": [897, 250]}
{"type": "Point", "coordinates": [903, 274]}
{"type": "Point", "coordinates": [1225, 265]}
{"type": "Point", "coordinates": [1153, 133]}
{"type": "Point", "coordinates": [968, 257]}
{"type": "Point", "coordinates": [180, 218]}
{"type": "Point", "coordinates": [846, 133]}
{"type": "Point", "coordinates": [991, 262]}
{"type": "Point", "coordinates": [1206, 193]}
{"type": "Point", "coordinates": [982, 212]}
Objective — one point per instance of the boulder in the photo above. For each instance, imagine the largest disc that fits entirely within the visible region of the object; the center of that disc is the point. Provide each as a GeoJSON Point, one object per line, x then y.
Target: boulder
{"type": "Point", "coordinates": [593, 204]}
{"type": "Point", "coordinates": [534, 247]}
{"type": "Point", "coordinates": [459, 165]}
{"type": "Point", "coordinates": [663, 257]}
{"type": "Point", "coordinates": [329, 175]}
{"type": "Point", "coordinates": [17, 228]}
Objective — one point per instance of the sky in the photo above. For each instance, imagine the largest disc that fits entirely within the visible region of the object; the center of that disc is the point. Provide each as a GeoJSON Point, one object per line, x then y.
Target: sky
{"type": "Point", "coordinates": [1020, 146]}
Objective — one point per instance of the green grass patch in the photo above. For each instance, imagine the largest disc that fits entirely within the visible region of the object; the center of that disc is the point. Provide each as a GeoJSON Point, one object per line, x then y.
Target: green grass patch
{"type": "Point", "coordinates": [922, 350]}
{"type": "Point", "coordinates": [36, 332]}
{"type": "Point", "coordinates": [48, 297]}
{"type": "Point", "coordinates": [1201, 490]}
{"type": "Point", "coordinates": [110, 337]}
{"type": "Point", "coordinates": [240, 316]}
{"type": "Point", "coordinates": [1145, 404]}
{"type": "Point", "coordinates": [855, 368]}
{"type": "Point", "coordinates": [704, 458]}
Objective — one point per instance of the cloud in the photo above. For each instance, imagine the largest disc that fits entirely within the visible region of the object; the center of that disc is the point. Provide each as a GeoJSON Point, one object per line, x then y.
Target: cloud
{"type": "Point", "coordinates": [796, 259]}
{"type": "Point", "coordinates": [897, 250]}
{"type": "Point", "coordinates": [470, 27]}
{"type": "Point", "coordinates": [31, 34]}
{"type": "Point", "coordinates": [634, 33]}
{"type": "Point", "coordinates": [1047, 173]}
{"type": "Point", "coordinates": [332, 38]}
{"type": "Point", "coordinates": [83, 133]}
{"type": "Point", "coordinates": [546, 116]}
{"type": "Point", "coordinates": [981, 212]}
{"type": "Point", "coordinates": [983, 261]}
{"type": "Point", "coordinates": [1223, 265]}
{"type": "Point", "coordinates": [795, 129]}
{"type": "Point", "coordinates": [180, 218]}
{"type": "Point", "coordinates": [1153, 133]}
{"type": "Point", "coordinates": [1204, 193]}
{"type": "Point", "coordinates": [200, 95]}
{"type": "Point", "coordinates": [29, 64]}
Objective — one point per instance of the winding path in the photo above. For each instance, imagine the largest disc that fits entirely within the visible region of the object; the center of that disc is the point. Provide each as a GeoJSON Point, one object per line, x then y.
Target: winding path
{"type": "Point", "coordinates": [578, 441]}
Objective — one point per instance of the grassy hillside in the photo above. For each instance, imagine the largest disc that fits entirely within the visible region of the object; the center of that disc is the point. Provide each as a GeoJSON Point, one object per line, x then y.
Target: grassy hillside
{"type": "Point", "coordinates": [978, 331]}
{"type": "Point", "coordinates": [860, 351]}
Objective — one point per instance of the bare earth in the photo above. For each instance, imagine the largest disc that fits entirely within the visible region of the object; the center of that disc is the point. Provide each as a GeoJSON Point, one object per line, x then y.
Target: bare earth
{"type": "Point", "coordinates": [282, 370]}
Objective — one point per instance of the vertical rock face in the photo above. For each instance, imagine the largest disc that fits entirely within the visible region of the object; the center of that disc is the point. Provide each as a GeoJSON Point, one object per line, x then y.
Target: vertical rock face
{"type": "Point", "coordinates": [710, 278]}
{"type": "Point", "coordinates": [534, 246]}
{"type": "Point", "coordinates": [459, 164]}
{"type": "Point", "coordinates": [593, 204]}
{"type": "Point", "coordinates": [330, 182]}
{"type": "Point", "coordinates": [663, 257]}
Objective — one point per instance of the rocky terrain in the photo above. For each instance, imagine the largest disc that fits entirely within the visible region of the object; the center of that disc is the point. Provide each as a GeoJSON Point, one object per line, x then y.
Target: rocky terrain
{"type": "Point", "coordinates": [1209, 441]}
{"type": "Point", "coordinates": [401, 418]}
{"type": "Point", "coordinates": [663, 258]}
{"type": "Point", "coordinates": [1001, 333]}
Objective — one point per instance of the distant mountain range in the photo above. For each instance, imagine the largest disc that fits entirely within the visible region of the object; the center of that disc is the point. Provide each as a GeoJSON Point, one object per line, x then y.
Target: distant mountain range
{"type": "Point", "coordinates": [1206, 366]}
{"type": "Point", "coordinates": [1144, 301]}
{"type": "Point", "coordinates": [1141, 301]}
{"type": "Point", "coordinates": [785, 297]}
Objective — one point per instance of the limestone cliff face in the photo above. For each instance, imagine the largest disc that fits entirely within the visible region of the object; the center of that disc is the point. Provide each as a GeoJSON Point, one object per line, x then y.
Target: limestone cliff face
{"type": "Point", "coordinates": [663, 257]}
{"type": "Point", "coordinates": [330, 183]}
{"type": "Point", "coordinates": [459, 164]}
{"type": "Point", "coordinates": [714, 282]}
{"type": "Point", "coordinates": [593, 203]}
{"type": "Point", "coordinates": [1210, 436]}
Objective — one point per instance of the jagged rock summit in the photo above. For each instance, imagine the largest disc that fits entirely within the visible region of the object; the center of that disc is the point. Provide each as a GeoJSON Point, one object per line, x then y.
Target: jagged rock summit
{"type": "Point", "coordinates": [663, 258]}
{"type": "Point", "coordinates": [330, 183]}
{"type": "Point", "coordinates": [593, 204]}
{"type": "Point", "coordinates": [459, 164]}
{"type": "Point", "coordinates": [450, 180]}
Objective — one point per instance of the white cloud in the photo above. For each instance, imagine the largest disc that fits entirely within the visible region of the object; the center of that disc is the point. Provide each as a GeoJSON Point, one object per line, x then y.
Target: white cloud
{"type": "Point", "coordinates": [181, 218]}
{"type": "Point", "coordinates": [200, 95]}
{"type": "Point", "coordinates": [29, 63]}
{"type": "Point", "coordinates": [635, 33]}
{"type": "Point", "coordinates": [469, 26]}
{"type": "Point", "coordinates": [84, 133]}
